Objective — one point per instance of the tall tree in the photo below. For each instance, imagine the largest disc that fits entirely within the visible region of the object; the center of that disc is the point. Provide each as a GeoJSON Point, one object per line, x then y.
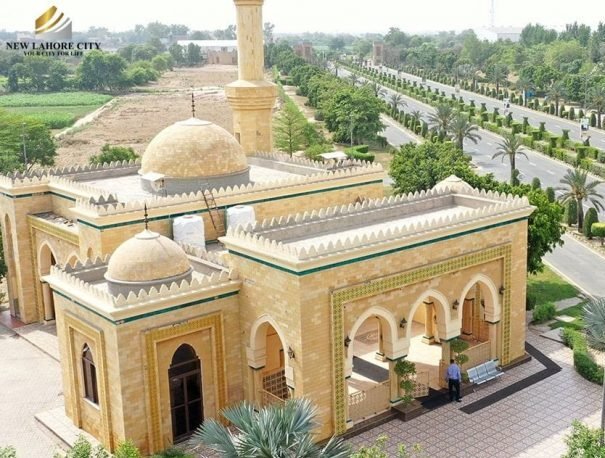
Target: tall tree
{"type": "Point", "coordinates": [596, 101]}
{"type": "Point", "coordinates": [576, 187]}
{"type": "Point", "coordinates": [510, 147]}
{"type": "Point", "coordinates": [289, 128]}
{"type": "Point", "coordinates": [556, 92]}
{"type": "Point", "coordinates": [497, 74]}
{"type": "Point", "coordinates": [274, 431]}
{"type": "Point", "coordinates": [24, 142]}
{"type": "Point", "coordinates": [194, 55]}
{"type": "Point", "coordinates": [420, 167]}
{"type": "Point", "coordinates": [460, 129]}
{"type": "Point", "coordinates": [442, 118]}
{"type": "Point", "coordinates": [524, 84]}
{"type": "Point", "coordinates": [396, 101]}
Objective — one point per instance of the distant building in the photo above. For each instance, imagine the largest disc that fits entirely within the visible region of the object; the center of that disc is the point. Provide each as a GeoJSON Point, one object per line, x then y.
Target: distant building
{"type": "Point", "coordinates": [378, 53]}
{"type": "Point", "coordinates": [499, 33]}
{"type": "Point", "coordinates": [304, 50]}
{"type": "Point", "coordinates": [215, 51]}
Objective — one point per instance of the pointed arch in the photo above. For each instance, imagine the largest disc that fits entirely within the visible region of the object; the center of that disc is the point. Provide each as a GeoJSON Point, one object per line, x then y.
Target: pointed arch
{"type": "Point", "coordinates": [393, 347]}
{"type": "Point", "coordinates": [493, 308]}
{"type": "Point", "coordinates": [46, 258]}
{"type": "Point", "coordinates": [443, 311]}
{"type": "Point", "coordinates": [72, 259]}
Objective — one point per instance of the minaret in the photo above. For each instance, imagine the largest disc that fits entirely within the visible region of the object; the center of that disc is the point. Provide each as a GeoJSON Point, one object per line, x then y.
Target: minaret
{"type": "Point", "coordinates": [251, 97]}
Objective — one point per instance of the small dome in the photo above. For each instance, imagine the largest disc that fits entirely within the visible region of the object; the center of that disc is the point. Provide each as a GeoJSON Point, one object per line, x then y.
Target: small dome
{"type": "Point", "coordinates": [147, 257]}
{"type": "Point", "coordinates": [194, 149]}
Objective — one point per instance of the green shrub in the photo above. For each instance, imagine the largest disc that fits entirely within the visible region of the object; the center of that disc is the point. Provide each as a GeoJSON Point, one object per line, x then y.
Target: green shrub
{"type": "Point", "coordinates": [570, 216]}
{"type": "Point", "coordinates": [550, 194]}
{"type": "Point", "coordinates": [313, 151]}
{"type": "Point", "coordinates": [601, 157]}
{"type": "Point", "coordinates": [368, 157]}
{"type": "Point", "coordinates": [530, 302]}
{"type": "Point", "coordinates": [172, 452]}
{"type": "Point", "coordinates": [582, 359]}
{"type": "Point", "coordinates": [8, 452]}
{"type": "Point", "coordinates": [535, 183]}
{"type": "Point", "coordinates": [360, 148]}
{"type": "Point", "coordinates": [598, 230]}
{"type": "Point", "coordinates": [590, 218]}
{"type": "Point", "coordinates": [113, 154]}
{"type": "Point", "coordinates": [584, 442]}
{"type": "Point", "coordinates": [544, 312]}
{"type": "Point", "coordinates": [127, 449]}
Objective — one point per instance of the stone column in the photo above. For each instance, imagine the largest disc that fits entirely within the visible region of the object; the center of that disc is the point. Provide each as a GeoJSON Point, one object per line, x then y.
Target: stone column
{"type": "Point", "coordinates": [250, 46]}
{"type": "Point", "coordinates": [429, 325]}
{"type": "Point", "coordinates": [394, 385]}
{"type": "Point", "coordinates": [493, 340]}
{"type": "Point", "coordinates": [49, 309]}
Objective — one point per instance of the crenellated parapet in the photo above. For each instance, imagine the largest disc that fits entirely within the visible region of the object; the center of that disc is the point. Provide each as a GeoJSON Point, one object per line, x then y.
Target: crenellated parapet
{"type": "Point", "coordinates": [228, 195]}
{"type": "Point", "coordinates": [320, 233]}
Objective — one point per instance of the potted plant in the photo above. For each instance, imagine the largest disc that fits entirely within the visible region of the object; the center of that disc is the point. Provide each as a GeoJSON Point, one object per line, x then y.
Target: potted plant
{"type": "Point", "coordinates": [408, 407]}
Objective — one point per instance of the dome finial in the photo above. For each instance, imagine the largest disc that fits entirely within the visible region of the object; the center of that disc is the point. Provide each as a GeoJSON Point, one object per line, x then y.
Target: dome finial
{"type": "Point", "coordinates": [192, 105]}
{"type": "Point", "coordinates": [145, 217]}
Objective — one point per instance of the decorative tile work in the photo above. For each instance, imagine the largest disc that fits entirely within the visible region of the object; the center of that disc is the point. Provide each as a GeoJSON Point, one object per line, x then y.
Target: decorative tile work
{"type": "Point", "coordinates": [74, 324]}
{"type": "Point", "coordinates": [152, 382]}
{"type": "Point", "coordinates": [381, 285]}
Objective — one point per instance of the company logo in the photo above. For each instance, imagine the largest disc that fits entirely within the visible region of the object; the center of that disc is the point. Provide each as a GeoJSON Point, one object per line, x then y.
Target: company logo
{"type": "Point", "coordinates": [53, 25]}
{"type": "Point", "coordinates": [52, 38]}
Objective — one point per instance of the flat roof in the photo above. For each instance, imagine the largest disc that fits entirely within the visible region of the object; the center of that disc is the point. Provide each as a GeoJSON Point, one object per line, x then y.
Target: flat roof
{"type": "Point", "coordinates": [128, 187]}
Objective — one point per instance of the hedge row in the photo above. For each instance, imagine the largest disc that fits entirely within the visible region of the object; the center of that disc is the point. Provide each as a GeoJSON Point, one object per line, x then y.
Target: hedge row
{"type": "Point", "coordinates": [582, 359]}
{"type": "Point", "coordinates": [537, 138]}
{"type": "Point", "coordinates": [360, 152]}
{"type": "Point", "coordinates": [515, 97]}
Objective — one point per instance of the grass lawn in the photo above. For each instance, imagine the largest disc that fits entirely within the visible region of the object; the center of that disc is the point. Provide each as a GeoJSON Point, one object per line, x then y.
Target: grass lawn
{"type": "Point", "coordinates": [574, 312]}
{"type": "Point", "coordinates": [547, 286]}
{"type": "Point", "coordinates": [56, 110]}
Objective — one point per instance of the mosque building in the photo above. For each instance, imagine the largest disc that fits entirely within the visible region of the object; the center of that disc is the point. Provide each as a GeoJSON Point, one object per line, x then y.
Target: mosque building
{"type": "Point", "coordinates": [213, 272]}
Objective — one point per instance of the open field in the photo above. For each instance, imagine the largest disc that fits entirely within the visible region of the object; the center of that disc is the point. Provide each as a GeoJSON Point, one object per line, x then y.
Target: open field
{"type": "Point", "coordinates": [136, 118]}
{"type": "Point", "coordinates": [57, 110]}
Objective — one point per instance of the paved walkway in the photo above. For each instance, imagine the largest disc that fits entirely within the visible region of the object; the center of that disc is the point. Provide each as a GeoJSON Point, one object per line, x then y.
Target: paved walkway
{"type": "Point", "coordinates": [530, 423]}
{"type": "Point", "coordinates": [30, 382]}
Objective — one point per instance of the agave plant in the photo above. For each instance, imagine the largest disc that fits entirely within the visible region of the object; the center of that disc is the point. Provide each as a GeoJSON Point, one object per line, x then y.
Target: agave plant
{"type": "Point", "coordinates": [278, 431]}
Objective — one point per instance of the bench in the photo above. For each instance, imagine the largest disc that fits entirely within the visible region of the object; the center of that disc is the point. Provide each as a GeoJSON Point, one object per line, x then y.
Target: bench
{"type": "Point", "coordinates": [484, 372]}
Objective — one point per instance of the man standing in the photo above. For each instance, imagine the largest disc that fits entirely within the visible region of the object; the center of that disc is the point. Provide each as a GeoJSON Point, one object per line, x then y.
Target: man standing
{"type": "Point", "coordinates": [453, 378]}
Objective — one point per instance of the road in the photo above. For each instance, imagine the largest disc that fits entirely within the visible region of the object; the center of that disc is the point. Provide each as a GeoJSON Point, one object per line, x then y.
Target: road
{"type": "Point", "coordinates": [572, 259]}
{"type": "Point", "coordinates": [553, 123]}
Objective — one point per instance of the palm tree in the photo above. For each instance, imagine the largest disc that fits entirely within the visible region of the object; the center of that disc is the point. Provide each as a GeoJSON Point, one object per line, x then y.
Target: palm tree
{"type": "Point", "coordinates": [594, 322]}
{"type": "Point", "coordinates": [275, 431]}
{"type": "Point", "coordinates": [576, 188]}
{"type": "Point", "coordinates": [460, 128]}
{"type": "Point", "coordinates": [497, 73]}
{"type": "Point", "coordinates": [377, 89]}
{"type": "Point", "coordinates": [524, 84]}
{"type": "Point", "coordinates": [353, 79]}
{"type": "Point", "coordinates": [596, 97]}
{"type": "Point", "coordinates": [396, 101]}
{"type": "Point", "coordinates": [442, 117]}
{"type": "Point", "coordinates": [416, 116]}
{"type": "Point", "coordinates": [556, 91]}
{"type": "Point", "coordinates": [510, 147]}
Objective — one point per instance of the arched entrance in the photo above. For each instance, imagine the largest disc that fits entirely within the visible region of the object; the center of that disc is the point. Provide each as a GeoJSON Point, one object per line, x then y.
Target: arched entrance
{"type": "Point", "coordinates": [47, 259]}
{"type": "Point", "coordinates": [269, 363]}
{"type": "Point", "coordinates": [480, 318]}
{"type": "Point", "coordinates": [9, 257]}
{"type": "Point", "coordinates": [369, 347]}
{"type": "Point", "coordinates": [186, 399]}
{"type": "Point", "coordinates": [426, 328]}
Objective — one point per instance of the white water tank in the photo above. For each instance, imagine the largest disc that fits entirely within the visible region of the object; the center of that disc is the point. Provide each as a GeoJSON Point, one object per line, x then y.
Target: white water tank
{"type": "Point", "coordinates": [240, 215]}
{"type": "Point", "coordinates": [189, 229]}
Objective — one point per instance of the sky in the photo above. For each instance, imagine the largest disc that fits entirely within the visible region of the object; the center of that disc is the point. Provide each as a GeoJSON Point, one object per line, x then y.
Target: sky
{"type": "Point", "coordinates": [294, 16]}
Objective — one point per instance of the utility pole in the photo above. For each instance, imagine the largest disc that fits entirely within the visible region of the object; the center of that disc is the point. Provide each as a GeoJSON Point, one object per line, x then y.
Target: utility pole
{"type": "Point", "coordinates": [492, 15]}
{"type": "Point", "coordinates": [23, 137]}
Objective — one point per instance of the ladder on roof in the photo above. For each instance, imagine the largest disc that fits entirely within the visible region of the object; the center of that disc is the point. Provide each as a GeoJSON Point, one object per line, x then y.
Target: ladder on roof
{"type": "Point", "coordinates": [215, 216]}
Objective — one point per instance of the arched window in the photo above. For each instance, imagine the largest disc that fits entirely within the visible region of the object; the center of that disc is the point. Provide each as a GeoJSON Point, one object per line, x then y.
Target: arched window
{"type": "Point", "coordinates": [186, 403]}
{"type": "Point", "coordinates": [90, 375]}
